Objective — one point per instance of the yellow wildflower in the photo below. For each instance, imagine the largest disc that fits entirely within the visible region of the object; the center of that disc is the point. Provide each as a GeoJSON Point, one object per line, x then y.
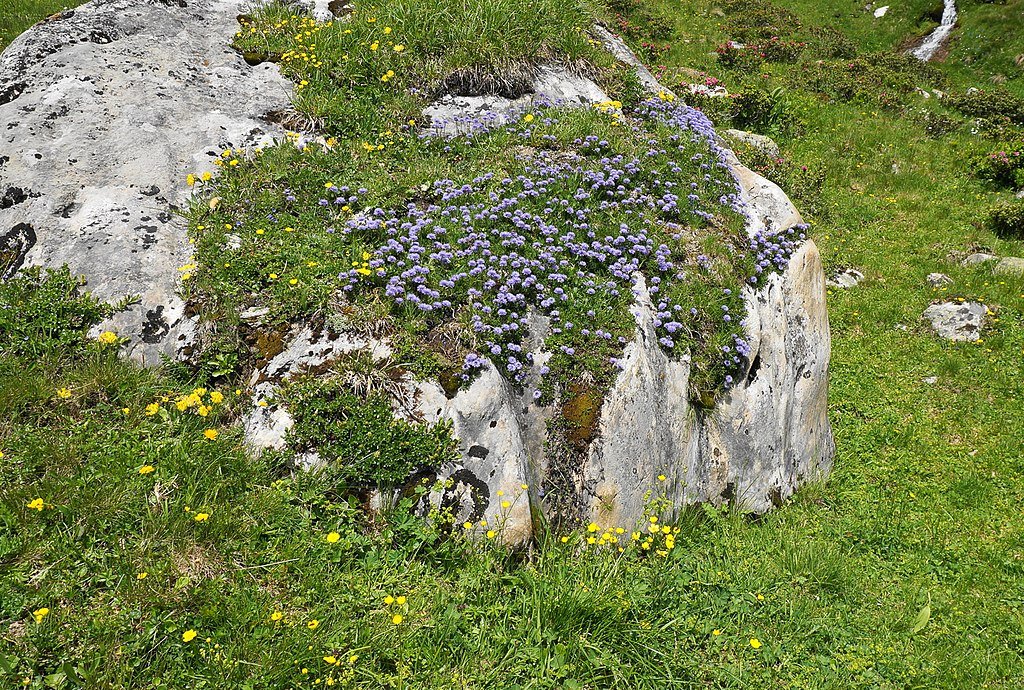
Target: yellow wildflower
{"type": "Point", "coordinates": [40, 614]}
{"type": "Point", "coordinates": [146, 469]}
{"type": "Point", "coordinates": [188, 635]}
{"type": "Point", "coordinates": [276, 616]}
{"type": "Point", "coordinates": [64, 393]}
{"type": "Point", "coordinates": [201, 517]}
{"type": "Point", "coordinates": [397, 619]}
{"type": "Point", "coordinates": [210, 434]}
{"type": "Point", "coordinates": [141, 576]}
{"type": "Point", "coordinates": [108, 337]}
{"type": "Point", "coordinates": [313, 624]}
{"type": "Point", "coordinates": [333, 537]}
{"type": "Point", "coordinates": [216, 397]}
{"type": "Point", "coordinates": [401, 601]}
{"type": "Point", "coordinates": [755, 643]}
{"type": "Point", "coordinates": [36, 504]}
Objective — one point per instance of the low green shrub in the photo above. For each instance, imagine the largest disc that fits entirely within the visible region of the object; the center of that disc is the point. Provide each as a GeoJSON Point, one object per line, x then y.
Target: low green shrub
{"type": "Point", "coordinates": [44, 311]}
{"type": "Point", "coordinates": [989, 104]}
{"type": "Point", "coordinates": [360, 438]}
{"type": "Point", "coordinates": [742, 57]}
{"type": "Point", "coordinates": [751, 21]}
{"type": "Point", "coordinates": [1005, 167]}
{"type": "Point", "coordinates": [1006, 220]}
{"type": "Point", "coordinates": [830, 43]}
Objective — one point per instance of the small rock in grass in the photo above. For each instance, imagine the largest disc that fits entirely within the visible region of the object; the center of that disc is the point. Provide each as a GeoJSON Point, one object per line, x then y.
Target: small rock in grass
{"type": "Point", "coordinates": [847, 278]}
{"type": "Point", "coordinates": [958, 321]}
{"type": "Point", "coordinates": [757, 141]}
{"type": "Point", "coordinates": [930, 380]}
{"type": "Point", "coordinates": [937, 280]}
{"type": "Point", "coordinates": [881, 12]}
{"type": "Point", "coordinates": [1020, 194]}
{"type": "Point", "coordinates": [1010, 266]}
{"type": "Point", "coordinates": [979, 258]}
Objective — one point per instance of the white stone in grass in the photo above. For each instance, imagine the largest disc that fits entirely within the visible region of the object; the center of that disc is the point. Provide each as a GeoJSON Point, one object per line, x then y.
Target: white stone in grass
{"type": "Point", "coordinates": [881, 12]}
{"type": "Point", "coordinates": [757, 141]}
{"type": "Point", "coordinates": [979, 258]}
{"type": "Point", "coordinates": [957, 321]}
{"type": "Point", "coordinates": [930, 380]}
{"type": "Point", "coordinates": [1009, 266]}
{"type": "Point", "coordinates": [451, 115]}
{"type": "Point", "coordinates": [846, 279]}
{"type": "Point", "coordinates": [937, 280]}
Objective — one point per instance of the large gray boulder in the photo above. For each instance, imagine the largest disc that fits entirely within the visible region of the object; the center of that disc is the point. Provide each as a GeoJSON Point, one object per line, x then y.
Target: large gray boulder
{"type": "Point", "coordinates": [104, 110]}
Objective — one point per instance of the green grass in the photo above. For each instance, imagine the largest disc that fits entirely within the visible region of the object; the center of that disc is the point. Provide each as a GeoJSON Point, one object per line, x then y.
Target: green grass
{"type": "Point", "coordinates": [18, 15]}
{"type": "Point", "coordinates": [921, 516]}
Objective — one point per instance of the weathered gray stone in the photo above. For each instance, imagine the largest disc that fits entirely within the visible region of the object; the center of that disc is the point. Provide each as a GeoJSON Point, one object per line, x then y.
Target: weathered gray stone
{"type": "Point", "coordinates": [979, 258]}
{"type": "Point", "coordinates": [845, 279]}
{"type": "Point", "coordinates": [106, 108]}
{"type": "Point", "coordinates": [1010, 266]}
{"type": "Point", "coordinates": [959, 321]}
{"type": "Point", "coordinates": [621, 52]}
{"type": "Point", "coordinates": [937, 280]}
{"type": "Point", "coordinates": [758, 141]}
{"type": "Point", "coordinates": [452, 115]}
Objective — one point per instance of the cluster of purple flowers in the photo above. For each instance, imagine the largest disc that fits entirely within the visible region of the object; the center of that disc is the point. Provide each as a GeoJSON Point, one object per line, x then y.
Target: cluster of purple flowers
{"type": "Point", "coordinates": [564, 238]}
{"type": "Point", "coordinates": [772, 249]}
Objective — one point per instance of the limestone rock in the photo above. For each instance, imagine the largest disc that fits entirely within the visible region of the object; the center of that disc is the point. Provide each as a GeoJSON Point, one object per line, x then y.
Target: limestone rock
{"type": "Point", "coordinates": [1010, 266]}
{"type": "Point", "coordinates": [757, 141]}
{"type": "Point", "coordinates": [979, 258]}
{"type": "Point", "coordinates": [958, 321]}
{"type": "Point", "coordinates": [846, 279]}
{"type": "Point", "coordinates": [106, 108]}
{"type": "Point", "coordinates": [554, 85]}
{"type": "Point", "coordinates": [937, 280]}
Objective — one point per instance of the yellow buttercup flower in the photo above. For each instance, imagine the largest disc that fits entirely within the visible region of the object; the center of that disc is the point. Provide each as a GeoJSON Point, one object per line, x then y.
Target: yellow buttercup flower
{"type": "Point", "coordinates": [201, 517]}
{"type": "Point", "coordinates": [313, 624]}
{"type": "Point", "coordinates": [276, 616]}
{"type": "Point", "coordinates": [333, 537]}
{"type": "Point", "coordinates": [389, 600]}
{"type": "Point", "coordinates": [188, 635]}
{"type": "Point", "coordinates": [141, 576]}
{"type": "Point", "coordinates": [36, 504]}
{"type": "Point", "coordinates": [40, 614]}
{"type": "Point", "coordinates": [146, 469]}
{"type": "Point", "coordinates": [398, 48]}
{"type": "Point", "coordinates": [755, 643]}
{"type": "Point", "coordinates": [107, 337]}
{"type": "Point", "coordinates": [63, 393]}
{"type": "Point", "coordinates": [216, 397]}
{"type": "Point", "coordinates": [210, 434]}
{"type": "Point", "coordinates": [401, 601]}
{"type": "Point", "coordinates": [397, 619]}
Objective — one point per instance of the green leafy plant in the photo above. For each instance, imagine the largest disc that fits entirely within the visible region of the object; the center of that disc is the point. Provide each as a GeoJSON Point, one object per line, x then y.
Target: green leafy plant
{"type": "Point", "coordinates": [360, 438]}
{"type": "Point", "coordinates": [44, 310]}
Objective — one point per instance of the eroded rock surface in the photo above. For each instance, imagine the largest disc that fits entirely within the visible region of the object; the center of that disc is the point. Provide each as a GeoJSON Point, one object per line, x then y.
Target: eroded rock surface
{"type": "Point", "coordinates": [104, 109]}
{"type": "Point", "coordinates": [958, 321]}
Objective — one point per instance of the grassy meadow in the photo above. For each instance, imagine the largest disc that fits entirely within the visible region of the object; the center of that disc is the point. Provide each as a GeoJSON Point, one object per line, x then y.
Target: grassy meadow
{"type": "Point", "coordinates": [142, 547]}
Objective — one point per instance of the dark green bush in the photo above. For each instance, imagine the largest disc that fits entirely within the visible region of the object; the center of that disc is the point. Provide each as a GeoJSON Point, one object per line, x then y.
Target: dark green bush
{"type": "Point", "coordinates": [827, 42]}
{"type": "Point", "coordinates": [360, 438]}
{"type": "Point", "coordinates": [989, 104]}
{"type": "Point", "coordinates": [636, 20]}
{"type": "Point", "coordinates": [752, 21]}
{"type": "Point", "coordinates": [1007, 220]}
{"type": "Point", "coordinates": [44, 311]}
{"type": "Point", "coordinates": [734, 56]}
{"type": "Point", "coordinates": [1004, 167]}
